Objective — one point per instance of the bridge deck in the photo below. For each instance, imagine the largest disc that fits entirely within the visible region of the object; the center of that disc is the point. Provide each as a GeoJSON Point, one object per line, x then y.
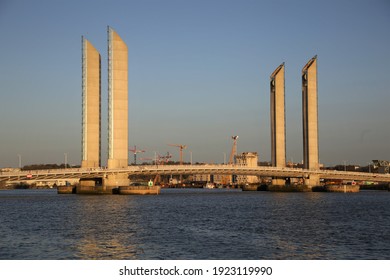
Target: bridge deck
{"type": "Point", "coordinates": [192, 169]}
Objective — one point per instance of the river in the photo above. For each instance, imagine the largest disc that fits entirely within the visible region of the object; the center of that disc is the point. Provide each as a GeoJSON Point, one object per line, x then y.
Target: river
{"type": "Point", "coordinates": [194, 224]}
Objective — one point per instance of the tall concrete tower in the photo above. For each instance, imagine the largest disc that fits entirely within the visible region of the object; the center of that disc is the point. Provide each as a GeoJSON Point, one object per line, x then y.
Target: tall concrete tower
{"type": "Point", "coordinates": [117, 106]}
{"type": "Point", "coordinates": [91, 104]}
{"type": "Point", "coordinates": [278, 119]}
{"type": "Point", "coordinates": [310, 115]}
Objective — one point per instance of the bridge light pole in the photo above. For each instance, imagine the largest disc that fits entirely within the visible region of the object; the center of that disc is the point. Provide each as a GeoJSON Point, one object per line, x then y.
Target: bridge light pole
{"type": "Point", "coordinates": [20, 160]}
{"type": "Point", "coordinates": [66, 159]}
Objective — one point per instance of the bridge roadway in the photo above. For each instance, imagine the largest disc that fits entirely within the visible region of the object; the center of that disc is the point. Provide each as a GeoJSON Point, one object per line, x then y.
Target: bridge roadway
{"type": "Point", "coordinates": [191, 169]}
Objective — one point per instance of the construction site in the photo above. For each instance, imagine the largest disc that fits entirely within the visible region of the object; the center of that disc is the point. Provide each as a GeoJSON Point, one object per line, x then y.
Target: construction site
{"type": "Point", "coordinates": [249, 159]}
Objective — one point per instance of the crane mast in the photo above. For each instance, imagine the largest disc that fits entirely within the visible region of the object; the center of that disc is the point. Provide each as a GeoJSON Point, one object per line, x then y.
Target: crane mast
{"type": "Point", "coordinates": [135, 152]}
{"type": "Point", "coordinates": [181, 148]}
{"type": "Point", "coordinates": [233, 152]}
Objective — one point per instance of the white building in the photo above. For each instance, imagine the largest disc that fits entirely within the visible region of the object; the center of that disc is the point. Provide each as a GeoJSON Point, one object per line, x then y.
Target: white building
{"type": "Point", "coordinates": [249, 159]}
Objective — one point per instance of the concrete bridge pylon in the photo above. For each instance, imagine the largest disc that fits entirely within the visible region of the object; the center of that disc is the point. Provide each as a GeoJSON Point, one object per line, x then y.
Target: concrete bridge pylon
{"type": "Point", "coordinates": [278, 121]}
{"type": "Point", "coordinates": [310, 120]}
{"type": "Point", "coordinates": [117, 109]}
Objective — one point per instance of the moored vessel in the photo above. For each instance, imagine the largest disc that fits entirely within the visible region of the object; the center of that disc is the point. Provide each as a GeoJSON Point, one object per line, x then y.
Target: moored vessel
{"type": "Point", "coordinates": [209, 186]}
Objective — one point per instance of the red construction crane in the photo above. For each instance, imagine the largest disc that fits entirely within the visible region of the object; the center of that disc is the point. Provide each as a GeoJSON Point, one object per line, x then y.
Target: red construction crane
{"type": "Point", "coordinates": [165, 158]}
{"type": "Point", "coordinates": [135, 152]}
{"type": "Point", "coordinates": [148, 159]}
{"type": "Point", "coordinates": [181, 148]}
{"type": "Point", "coordinates": [159, 159]}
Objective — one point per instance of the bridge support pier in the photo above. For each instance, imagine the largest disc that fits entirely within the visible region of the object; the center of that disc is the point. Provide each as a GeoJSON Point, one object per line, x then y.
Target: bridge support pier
{"type": "Point", "coordinates": [89, 186]}
{"type": "Point", "coordinates": [113, 181]}
{"type": "Point", "coordinates": [278, 182]}
{"type": "Point", "coordinates": [312, 181]}
{"type": "Point", "coordinates": [87, 183]}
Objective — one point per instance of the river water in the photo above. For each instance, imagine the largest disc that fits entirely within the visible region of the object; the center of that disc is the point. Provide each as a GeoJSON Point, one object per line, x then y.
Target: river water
{"type": "Point", "coordinates": [195, 224]}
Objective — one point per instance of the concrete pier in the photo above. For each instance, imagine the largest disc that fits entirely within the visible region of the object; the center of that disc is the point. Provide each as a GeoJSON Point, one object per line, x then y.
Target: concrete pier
{"type": "Point", "coordinates": [312, 181]}
{"type": "Point", "coordinates": [93, 190]}
{"type": "Point", "coordinates": [289, 188]}
{"type": "Point", "coordinates": [66, 189]}
{"type": "Point", "coordinates": [115, 181]}
{"type": "Point", "coordinates": [139, 190]}
{"type": "Point", "coordinates": [100, 190]}
{"type": "Point", "coordinates": [278, 182]}
{"type": "Point", "coordinates": [337, 188]}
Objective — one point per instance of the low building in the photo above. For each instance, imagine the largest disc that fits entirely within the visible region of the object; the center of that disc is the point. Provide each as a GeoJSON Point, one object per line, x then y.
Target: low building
{"type": "Point", "coordinates": [9, 169]}
{"type": "Point", "coordinates": [218, 179]}
{"type": "Point", "coordinates": [249, 159]}
{"type": "Point", "coordinates": [201, 177]}
{"type": "Point", "coordinates": [383, 166]}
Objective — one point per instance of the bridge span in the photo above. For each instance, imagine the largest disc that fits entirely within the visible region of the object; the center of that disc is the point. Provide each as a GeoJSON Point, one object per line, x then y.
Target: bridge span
{"type": "Point", "coordinates": [263, 171]}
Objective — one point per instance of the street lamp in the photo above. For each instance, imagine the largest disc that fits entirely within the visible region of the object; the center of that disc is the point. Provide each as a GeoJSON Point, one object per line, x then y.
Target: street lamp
{"type": "Point", "coordinates": [66, 159]}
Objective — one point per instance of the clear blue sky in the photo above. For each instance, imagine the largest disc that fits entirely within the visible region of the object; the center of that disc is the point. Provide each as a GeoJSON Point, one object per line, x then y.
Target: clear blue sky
{"type": "Point", "coordinates": [198, 74]}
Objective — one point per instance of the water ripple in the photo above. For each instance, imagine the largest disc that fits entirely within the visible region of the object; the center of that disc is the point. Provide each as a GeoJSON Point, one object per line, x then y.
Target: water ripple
{"type": "Point", "coordinates": [195, 224]}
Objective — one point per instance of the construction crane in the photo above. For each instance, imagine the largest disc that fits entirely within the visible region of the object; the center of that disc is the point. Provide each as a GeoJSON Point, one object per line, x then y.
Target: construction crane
{"type": "Point", "coordinates": [148, 159]}
{"type": "Point", "coordinates": [157, 177]}
{"type": "Point", "coordinates": [159, 159]}
{"type": "Point", "coordinates": [135, 152]}
{"type": "Point", "coordinates": [233, 153]}
{"type": "Point", "coordinates": [165, 158]}
{"type": "Point", "coordinates": [226, 178]}
{"type": "Point", "coordinates": [181, 148]}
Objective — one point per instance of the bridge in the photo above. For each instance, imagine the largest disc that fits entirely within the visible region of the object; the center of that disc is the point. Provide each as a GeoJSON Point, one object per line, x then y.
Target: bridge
{"type": "Point", "coordinates": [216, 169]}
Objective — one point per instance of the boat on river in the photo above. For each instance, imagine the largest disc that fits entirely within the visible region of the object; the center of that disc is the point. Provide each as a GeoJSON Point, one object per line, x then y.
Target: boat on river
{"type": "Point", "coordinates": [209, 186]}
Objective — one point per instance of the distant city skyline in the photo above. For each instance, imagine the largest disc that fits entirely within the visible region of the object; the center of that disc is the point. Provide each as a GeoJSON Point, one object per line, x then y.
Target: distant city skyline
{"type": "Point", "coordinates": [199, 72]}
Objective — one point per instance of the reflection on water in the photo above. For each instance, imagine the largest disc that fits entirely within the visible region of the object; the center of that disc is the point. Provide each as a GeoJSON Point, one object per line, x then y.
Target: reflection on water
{"type": "Point", "coordinates": [103, 233]}
{"type": "Point", "coordinates": [195, 224]}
